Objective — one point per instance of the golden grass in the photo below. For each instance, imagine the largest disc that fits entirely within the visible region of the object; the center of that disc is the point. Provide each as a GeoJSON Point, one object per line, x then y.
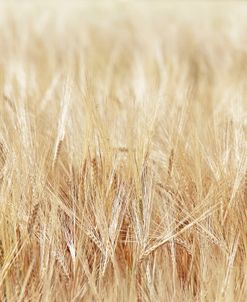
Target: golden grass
{"type": "Point", "coordinates": [123, 151]}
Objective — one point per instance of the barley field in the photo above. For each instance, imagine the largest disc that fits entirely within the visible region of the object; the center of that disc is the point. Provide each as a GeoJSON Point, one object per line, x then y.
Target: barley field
{"type": "Point", "coordinates": [123, 151]}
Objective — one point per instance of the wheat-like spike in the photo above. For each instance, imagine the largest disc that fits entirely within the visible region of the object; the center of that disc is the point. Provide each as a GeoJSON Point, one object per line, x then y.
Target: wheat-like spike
{"type": "Point", "coordinates": [1, 254]}
{"type": "Point", "coordinates": [62, 119]}
{"type": "Point", "coordinates": [95, 172]}
{"type": "Point", "coordinates": [170, 165]}
{"type": "Point", "coordinates": [32, 219]}
{"type": "Point", "coordinates": [245, 187]}
{"type": "Point", "coordinates": [60, 259]}
{"type": "Point", "coordinates": [57, 153]}
{"type": "Point", "coordinates": [98, 242]}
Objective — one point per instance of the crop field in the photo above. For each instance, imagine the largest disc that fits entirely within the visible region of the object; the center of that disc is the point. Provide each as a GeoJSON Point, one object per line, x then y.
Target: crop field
{"type": "Point", "coordinates": [123, 151]}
